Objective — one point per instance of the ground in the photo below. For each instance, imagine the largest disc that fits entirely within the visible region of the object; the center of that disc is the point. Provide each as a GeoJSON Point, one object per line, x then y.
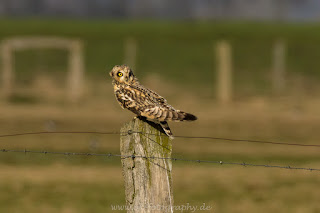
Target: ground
{"type": "Point", "coordinates": [58, 183]}
{"type": "Point", "coordinates": [177, 60]}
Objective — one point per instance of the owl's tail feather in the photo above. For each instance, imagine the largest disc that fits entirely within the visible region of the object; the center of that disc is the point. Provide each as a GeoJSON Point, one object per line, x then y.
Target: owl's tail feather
{"type": "Point", "coordinates": [184, 116]}
{"type": "Point", "coordinates": [166, 129]}
{"type": "Point", "coordinates": [189, 117]}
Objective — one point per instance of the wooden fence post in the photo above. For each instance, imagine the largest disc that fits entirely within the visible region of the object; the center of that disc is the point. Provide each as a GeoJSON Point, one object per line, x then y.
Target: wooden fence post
{"type": "Point", "coordinates": [146, 167]}
{"type": "Point", "coordinates": [224, 72]}
{"type": "Point", "coordinates": [279, 66]}
{"type": "Point", "coordinates": [7, 67]}
{"type": "Point", "coordinates": [130, 52]}
{"type": "Point", "coordinates": [75, 79]}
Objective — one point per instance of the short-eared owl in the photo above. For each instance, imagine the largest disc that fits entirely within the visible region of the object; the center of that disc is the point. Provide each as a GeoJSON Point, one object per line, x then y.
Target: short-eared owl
{"type": "Point", "coordinates": [144, 102]}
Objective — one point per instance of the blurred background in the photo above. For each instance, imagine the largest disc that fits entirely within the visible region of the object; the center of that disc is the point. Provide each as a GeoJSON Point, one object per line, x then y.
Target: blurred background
{"type": "Point", "coordinates": [247, 69]}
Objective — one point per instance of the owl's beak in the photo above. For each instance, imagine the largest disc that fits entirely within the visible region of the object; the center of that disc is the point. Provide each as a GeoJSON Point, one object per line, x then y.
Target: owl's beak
{"type": "Point", "coordinates": [111, 74]}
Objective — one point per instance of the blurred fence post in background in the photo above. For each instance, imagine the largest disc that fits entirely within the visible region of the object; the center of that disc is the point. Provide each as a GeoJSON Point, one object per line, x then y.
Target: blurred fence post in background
{"type": "Point", "coordinates": [130, 52]}
{"type": "Point", "coordinates": [148, 179]}
{"type": "Point", "coordinates": [7, 69]}
{"type": "Point", "coordinates": [224, 71]}
{"type": "Point", "coordinates": [76, 67]}
{"type": "Point", "coordinates": [279, 66]}
{"type": "Point", "coordinates": [76, 72]}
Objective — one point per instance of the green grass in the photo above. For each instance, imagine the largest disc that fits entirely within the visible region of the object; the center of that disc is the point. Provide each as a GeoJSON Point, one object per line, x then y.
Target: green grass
{"type": "Point", "coordinates": [63, 188]}
{"type": "Point", "coordinates": [181, 52]}
{"type": "Point", "coordinates": [174, 58]}
{"type": "Point", "coordinates": [32, 182]}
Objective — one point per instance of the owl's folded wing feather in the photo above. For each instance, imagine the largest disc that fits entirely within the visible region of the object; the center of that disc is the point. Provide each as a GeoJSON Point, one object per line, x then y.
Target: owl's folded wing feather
{"type": "Point", "coordinates": [152, 106]}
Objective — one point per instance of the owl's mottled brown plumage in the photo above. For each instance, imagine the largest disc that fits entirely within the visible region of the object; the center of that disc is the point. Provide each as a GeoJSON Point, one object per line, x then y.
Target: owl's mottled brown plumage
{"type": "Point", "coordinates": [142, 101]}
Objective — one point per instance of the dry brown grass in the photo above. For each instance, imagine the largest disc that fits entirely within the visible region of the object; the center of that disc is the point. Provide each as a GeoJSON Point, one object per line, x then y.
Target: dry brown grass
{"type": "Point", "coordinates": [35, 184]}
{"type": "Point", "coordinates": [226, 189]}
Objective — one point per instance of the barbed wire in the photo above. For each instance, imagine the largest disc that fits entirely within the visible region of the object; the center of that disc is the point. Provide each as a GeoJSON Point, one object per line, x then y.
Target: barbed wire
{"type": "Point", "coordinates": [179, 136]}
{"type": "Point", "coordinates": [58, 132]}
{"type": "Point", "coordinates": [109, 155]}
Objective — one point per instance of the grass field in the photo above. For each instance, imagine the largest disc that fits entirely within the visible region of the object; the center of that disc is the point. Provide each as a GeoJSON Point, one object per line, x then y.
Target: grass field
{"type": "Point", "coordinates": [180, 52]}
{"type": "Point", "coordinates": [54, 183]}
{"type": "Point", "coordinates": [176, 60]}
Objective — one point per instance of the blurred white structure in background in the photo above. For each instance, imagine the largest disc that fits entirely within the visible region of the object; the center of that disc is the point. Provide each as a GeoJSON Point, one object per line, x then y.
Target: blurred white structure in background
{"type": "Point", "coordinates": [76, 66]}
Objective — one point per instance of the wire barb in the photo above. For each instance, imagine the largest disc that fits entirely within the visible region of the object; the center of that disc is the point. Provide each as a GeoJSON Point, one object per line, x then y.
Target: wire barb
{"type": "Point", "coordinates": [109, 155]}
{"type": "Point", "coordinates": [179, 136]}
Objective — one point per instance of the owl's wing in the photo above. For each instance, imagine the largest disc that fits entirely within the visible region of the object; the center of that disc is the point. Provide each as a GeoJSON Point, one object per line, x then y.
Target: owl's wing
{"type": "Point", "coordinates": [152, 106]}
{"type": "Point", "coordinates": [149, 104]}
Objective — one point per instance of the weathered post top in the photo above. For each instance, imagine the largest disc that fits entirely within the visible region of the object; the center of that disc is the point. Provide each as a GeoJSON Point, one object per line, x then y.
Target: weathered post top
{"type": "Point", "coordinates": [146, 167]}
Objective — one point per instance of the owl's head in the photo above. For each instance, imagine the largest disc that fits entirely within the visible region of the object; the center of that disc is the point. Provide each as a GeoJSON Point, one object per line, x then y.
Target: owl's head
{"type": "Point", "coordinates": [122, 74]}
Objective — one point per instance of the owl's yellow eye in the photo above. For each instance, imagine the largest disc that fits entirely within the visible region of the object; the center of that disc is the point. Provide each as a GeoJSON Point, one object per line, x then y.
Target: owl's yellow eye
{"type": "Point", "coordinates": [120, 74]}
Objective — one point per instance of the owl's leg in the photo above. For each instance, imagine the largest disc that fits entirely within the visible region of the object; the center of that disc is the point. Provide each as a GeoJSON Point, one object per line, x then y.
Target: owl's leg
{"type": "Point", "coordinates": [166, 129]}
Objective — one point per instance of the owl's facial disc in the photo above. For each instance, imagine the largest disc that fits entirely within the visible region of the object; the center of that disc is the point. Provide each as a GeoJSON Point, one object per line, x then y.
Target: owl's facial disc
{"type": "Point", "coordinates": [122, 74]}
{"type": "Point", "coordinates": [115, 72]}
